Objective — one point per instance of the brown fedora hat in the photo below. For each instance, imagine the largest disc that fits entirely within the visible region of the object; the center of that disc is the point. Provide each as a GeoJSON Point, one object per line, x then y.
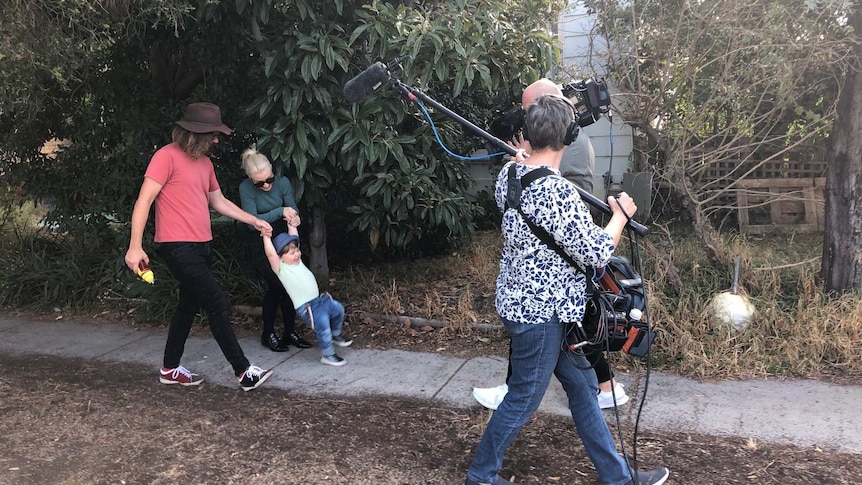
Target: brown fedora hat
{"type": "Point", "coordinates": [203, 118]}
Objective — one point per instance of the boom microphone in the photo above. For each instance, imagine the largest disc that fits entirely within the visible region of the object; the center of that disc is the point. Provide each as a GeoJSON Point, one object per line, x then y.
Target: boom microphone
{"type": "Point", "coordinates": [368, 81]}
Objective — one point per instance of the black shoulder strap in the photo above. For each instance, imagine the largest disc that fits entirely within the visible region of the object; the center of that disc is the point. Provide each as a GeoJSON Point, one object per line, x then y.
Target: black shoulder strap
{"type": "Point", "coordinates": [518, 185]}
{"type": "Point", "coordinates": [534, 174]}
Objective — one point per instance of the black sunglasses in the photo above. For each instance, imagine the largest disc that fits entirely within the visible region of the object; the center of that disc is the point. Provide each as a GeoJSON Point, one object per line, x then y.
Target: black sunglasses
{"type": "Point", "coordinates": [264, 182]}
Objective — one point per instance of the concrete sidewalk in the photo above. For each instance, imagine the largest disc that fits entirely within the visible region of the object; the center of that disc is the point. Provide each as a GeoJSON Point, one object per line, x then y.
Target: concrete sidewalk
{"type": "Point", "coordinates": [798, 412]}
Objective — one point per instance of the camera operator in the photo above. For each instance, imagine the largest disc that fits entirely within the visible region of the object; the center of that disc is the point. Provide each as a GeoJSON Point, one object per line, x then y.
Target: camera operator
{"type": "Point", "coordinates": [537, 291]}
{"type": "Point", "coordinates": [579, 158]}
{"type": "Point", "coordinates": [576, 166]}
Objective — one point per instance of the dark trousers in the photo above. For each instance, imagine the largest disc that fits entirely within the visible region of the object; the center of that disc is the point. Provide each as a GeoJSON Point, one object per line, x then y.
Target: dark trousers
{"type": "Point", "coordinates": [191, 264]}
{"type": "Point", "coordinates": [276, 297]}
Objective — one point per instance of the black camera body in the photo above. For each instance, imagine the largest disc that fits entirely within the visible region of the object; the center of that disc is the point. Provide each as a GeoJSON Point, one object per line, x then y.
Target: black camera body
{"type": "Point", "coordinates": [590, 97]}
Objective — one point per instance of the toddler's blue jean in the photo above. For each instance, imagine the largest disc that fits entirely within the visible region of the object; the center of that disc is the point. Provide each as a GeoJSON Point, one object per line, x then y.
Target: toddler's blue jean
{"type": "Point", "coordinates": [537, 353]}
{"type": "Point", "coordinates": [326, 317]}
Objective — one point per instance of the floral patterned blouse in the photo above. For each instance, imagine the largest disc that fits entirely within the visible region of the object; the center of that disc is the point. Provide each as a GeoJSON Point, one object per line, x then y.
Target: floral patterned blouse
{"type": "Point", "coordinates": [534, 281]}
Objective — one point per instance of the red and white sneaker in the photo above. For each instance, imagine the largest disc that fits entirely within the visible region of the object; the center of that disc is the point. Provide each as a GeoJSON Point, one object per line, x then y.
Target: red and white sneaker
{"type": "Point", "coordinates": [179, 375]}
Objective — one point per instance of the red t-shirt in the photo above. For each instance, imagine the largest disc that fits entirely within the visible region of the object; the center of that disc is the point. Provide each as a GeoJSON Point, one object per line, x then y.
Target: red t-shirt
{"type": "Point", "coordinates": [182, 207]}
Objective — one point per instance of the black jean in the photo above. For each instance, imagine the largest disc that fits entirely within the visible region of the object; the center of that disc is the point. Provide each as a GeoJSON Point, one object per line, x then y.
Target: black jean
{"type": "Point", "coordinates": [191, 264]}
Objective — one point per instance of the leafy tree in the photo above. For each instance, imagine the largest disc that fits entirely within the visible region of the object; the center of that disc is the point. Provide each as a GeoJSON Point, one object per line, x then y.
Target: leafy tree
{"type": "Point", "coordinates": [378, 158]}
{"type": "Point", "coordinates": [109, 77]}
{"type": "Point", "coordinates": [708, 83]}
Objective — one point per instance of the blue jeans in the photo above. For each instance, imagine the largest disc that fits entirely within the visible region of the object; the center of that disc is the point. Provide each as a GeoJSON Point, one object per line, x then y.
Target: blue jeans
{"type": "Point", "coordinates": [191, 264]}
{"type": "Point", "coordinates": [326, 316]}
{"type": "Point", "coordinates": [537, 354]}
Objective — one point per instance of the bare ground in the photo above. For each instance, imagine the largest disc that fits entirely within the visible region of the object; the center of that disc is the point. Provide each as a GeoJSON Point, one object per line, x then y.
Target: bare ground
{"type": "Point", "coordinates": [68, 421]}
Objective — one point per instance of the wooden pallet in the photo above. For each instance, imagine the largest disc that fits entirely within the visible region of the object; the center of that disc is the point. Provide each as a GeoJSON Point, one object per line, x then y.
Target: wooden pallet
{"type": "Point", "coordinates": [780, 205]}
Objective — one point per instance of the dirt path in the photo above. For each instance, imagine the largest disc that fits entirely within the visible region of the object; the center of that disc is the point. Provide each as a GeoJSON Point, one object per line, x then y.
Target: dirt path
{"type": "Point", "coordinates": [78, 422]}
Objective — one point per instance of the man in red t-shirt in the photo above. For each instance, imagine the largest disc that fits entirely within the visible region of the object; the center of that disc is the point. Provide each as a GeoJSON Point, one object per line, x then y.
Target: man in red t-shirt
{"type": "Point", "coordinates": [181, 181]}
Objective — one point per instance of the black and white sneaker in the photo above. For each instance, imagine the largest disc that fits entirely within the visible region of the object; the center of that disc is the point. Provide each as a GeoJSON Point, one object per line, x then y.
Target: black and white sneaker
{"type": "Point", "coordinates": [341, 341]}
{"type": "Point", "coordinates": [652, 477]}
{"type": "Point", "coordinates": [253, 377]}
{"type": "Point", "coordinates": [333, 360]}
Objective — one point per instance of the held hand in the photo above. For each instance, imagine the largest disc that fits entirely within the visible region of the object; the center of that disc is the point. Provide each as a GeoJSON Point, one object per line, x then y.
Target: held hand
{"type": "Point", "coordinates": [623, 204]}
{"type": "Point", "coordinates": [134, 258]}
{"type": "Point", "coordinates": [264, 227]}
{"type": "Point", "coordinates": [291, 217]}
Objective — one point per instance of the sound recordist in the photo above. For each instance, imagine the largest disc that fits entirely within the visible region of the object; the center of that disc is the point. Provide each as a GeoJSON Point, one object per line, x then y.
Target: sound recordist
{"type": "Point", "coordinates": [537, 291]}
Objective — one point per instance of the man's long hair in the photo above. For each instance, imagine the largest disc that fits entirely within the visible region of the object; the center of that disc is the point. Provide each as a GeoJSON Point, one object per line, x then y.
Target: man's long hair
{"type": "Point", "coordinates": [196, 145]}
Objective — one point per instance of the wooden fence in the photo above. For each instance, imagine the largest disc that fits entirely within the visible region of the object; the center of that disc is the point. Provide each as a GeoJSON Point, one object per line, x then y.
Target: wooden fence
{"type": "Point", "coordinates": [774, 197]}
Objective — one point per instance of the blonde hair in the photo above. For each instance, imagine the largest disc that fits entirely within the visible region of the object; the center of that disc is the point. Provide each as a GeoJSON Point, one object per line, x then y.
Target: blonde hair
{"type": "Point", "coordinates": [254, 162]}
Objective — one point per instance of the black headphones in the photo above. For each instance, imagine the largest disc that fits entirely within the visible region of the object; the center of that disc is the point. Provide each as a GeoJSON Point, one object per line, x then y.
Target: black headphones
{"type": "Point", "coordinates": [571, 130]}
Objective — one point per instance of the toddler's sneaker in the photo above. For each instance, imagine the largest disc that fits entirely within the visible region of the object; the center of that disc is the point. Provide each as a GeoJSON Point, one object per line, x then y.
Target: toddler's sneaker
{"type": "Point", "coordinates": [333, 360]}
{"type": "Point", "coordinates": [341, 341]}
{"type": "Point", "coordinates": [179, 375]}
{"type": "Point", "coordinates": [606, 399]}
{"type": "Point", "coordinates": [253, 377]}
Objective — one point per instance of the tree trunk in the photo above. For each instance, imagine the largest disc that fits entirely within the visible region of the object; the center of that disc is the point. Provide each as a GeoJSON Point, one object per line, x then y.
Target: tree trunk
{"type": "Point", "coordinates": [681, 183]}
{"type": "Point", "coordinates": [318, 261]}
{"type": "Point", "coordinates": [841, 267]}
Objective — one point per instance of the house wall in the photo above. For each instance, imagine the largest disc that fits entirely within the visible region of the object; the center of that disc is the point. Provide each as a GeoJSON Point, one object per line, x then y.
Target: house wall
{"type": "Point", "coordinates": [584, 53]}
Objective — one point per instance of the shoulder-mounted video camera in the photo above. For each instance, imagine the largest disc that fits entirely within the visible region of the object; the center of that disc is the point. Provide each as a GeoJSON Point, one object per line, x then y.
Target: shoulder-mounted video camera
{"type": "Point", "coordinates": [590, 98]}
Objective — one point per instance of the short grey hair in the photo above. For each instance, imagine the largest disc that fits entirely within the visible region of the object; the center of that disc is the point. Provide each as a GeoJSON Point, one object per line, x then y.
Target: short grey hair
{"type": "Point", "coordinates": [547, 121]}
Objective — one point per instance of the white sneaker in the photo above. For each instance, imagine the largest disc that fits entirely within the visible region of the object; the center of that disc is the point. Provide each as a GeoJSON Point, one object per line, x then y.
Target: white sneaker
{"type": "Point", "coordinates": [606, 399]}
{"type": "Point", "coordinates": [490, 397]}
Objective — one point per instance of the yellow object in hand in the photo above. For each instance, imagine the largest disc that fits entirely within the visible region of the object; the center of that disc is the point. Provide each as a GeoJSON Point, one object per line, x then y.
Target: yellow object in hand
{"type": "Point", "coordinates": [146, 274]}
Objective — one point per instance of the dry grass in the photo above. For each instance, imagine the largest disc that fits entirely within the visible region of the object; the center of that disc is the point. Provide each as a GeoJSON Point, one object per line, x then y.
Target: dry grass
{"type": "Point", "coordinates": [796, 330]}
{"type": "Point", "coordinates": [388, 300]}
